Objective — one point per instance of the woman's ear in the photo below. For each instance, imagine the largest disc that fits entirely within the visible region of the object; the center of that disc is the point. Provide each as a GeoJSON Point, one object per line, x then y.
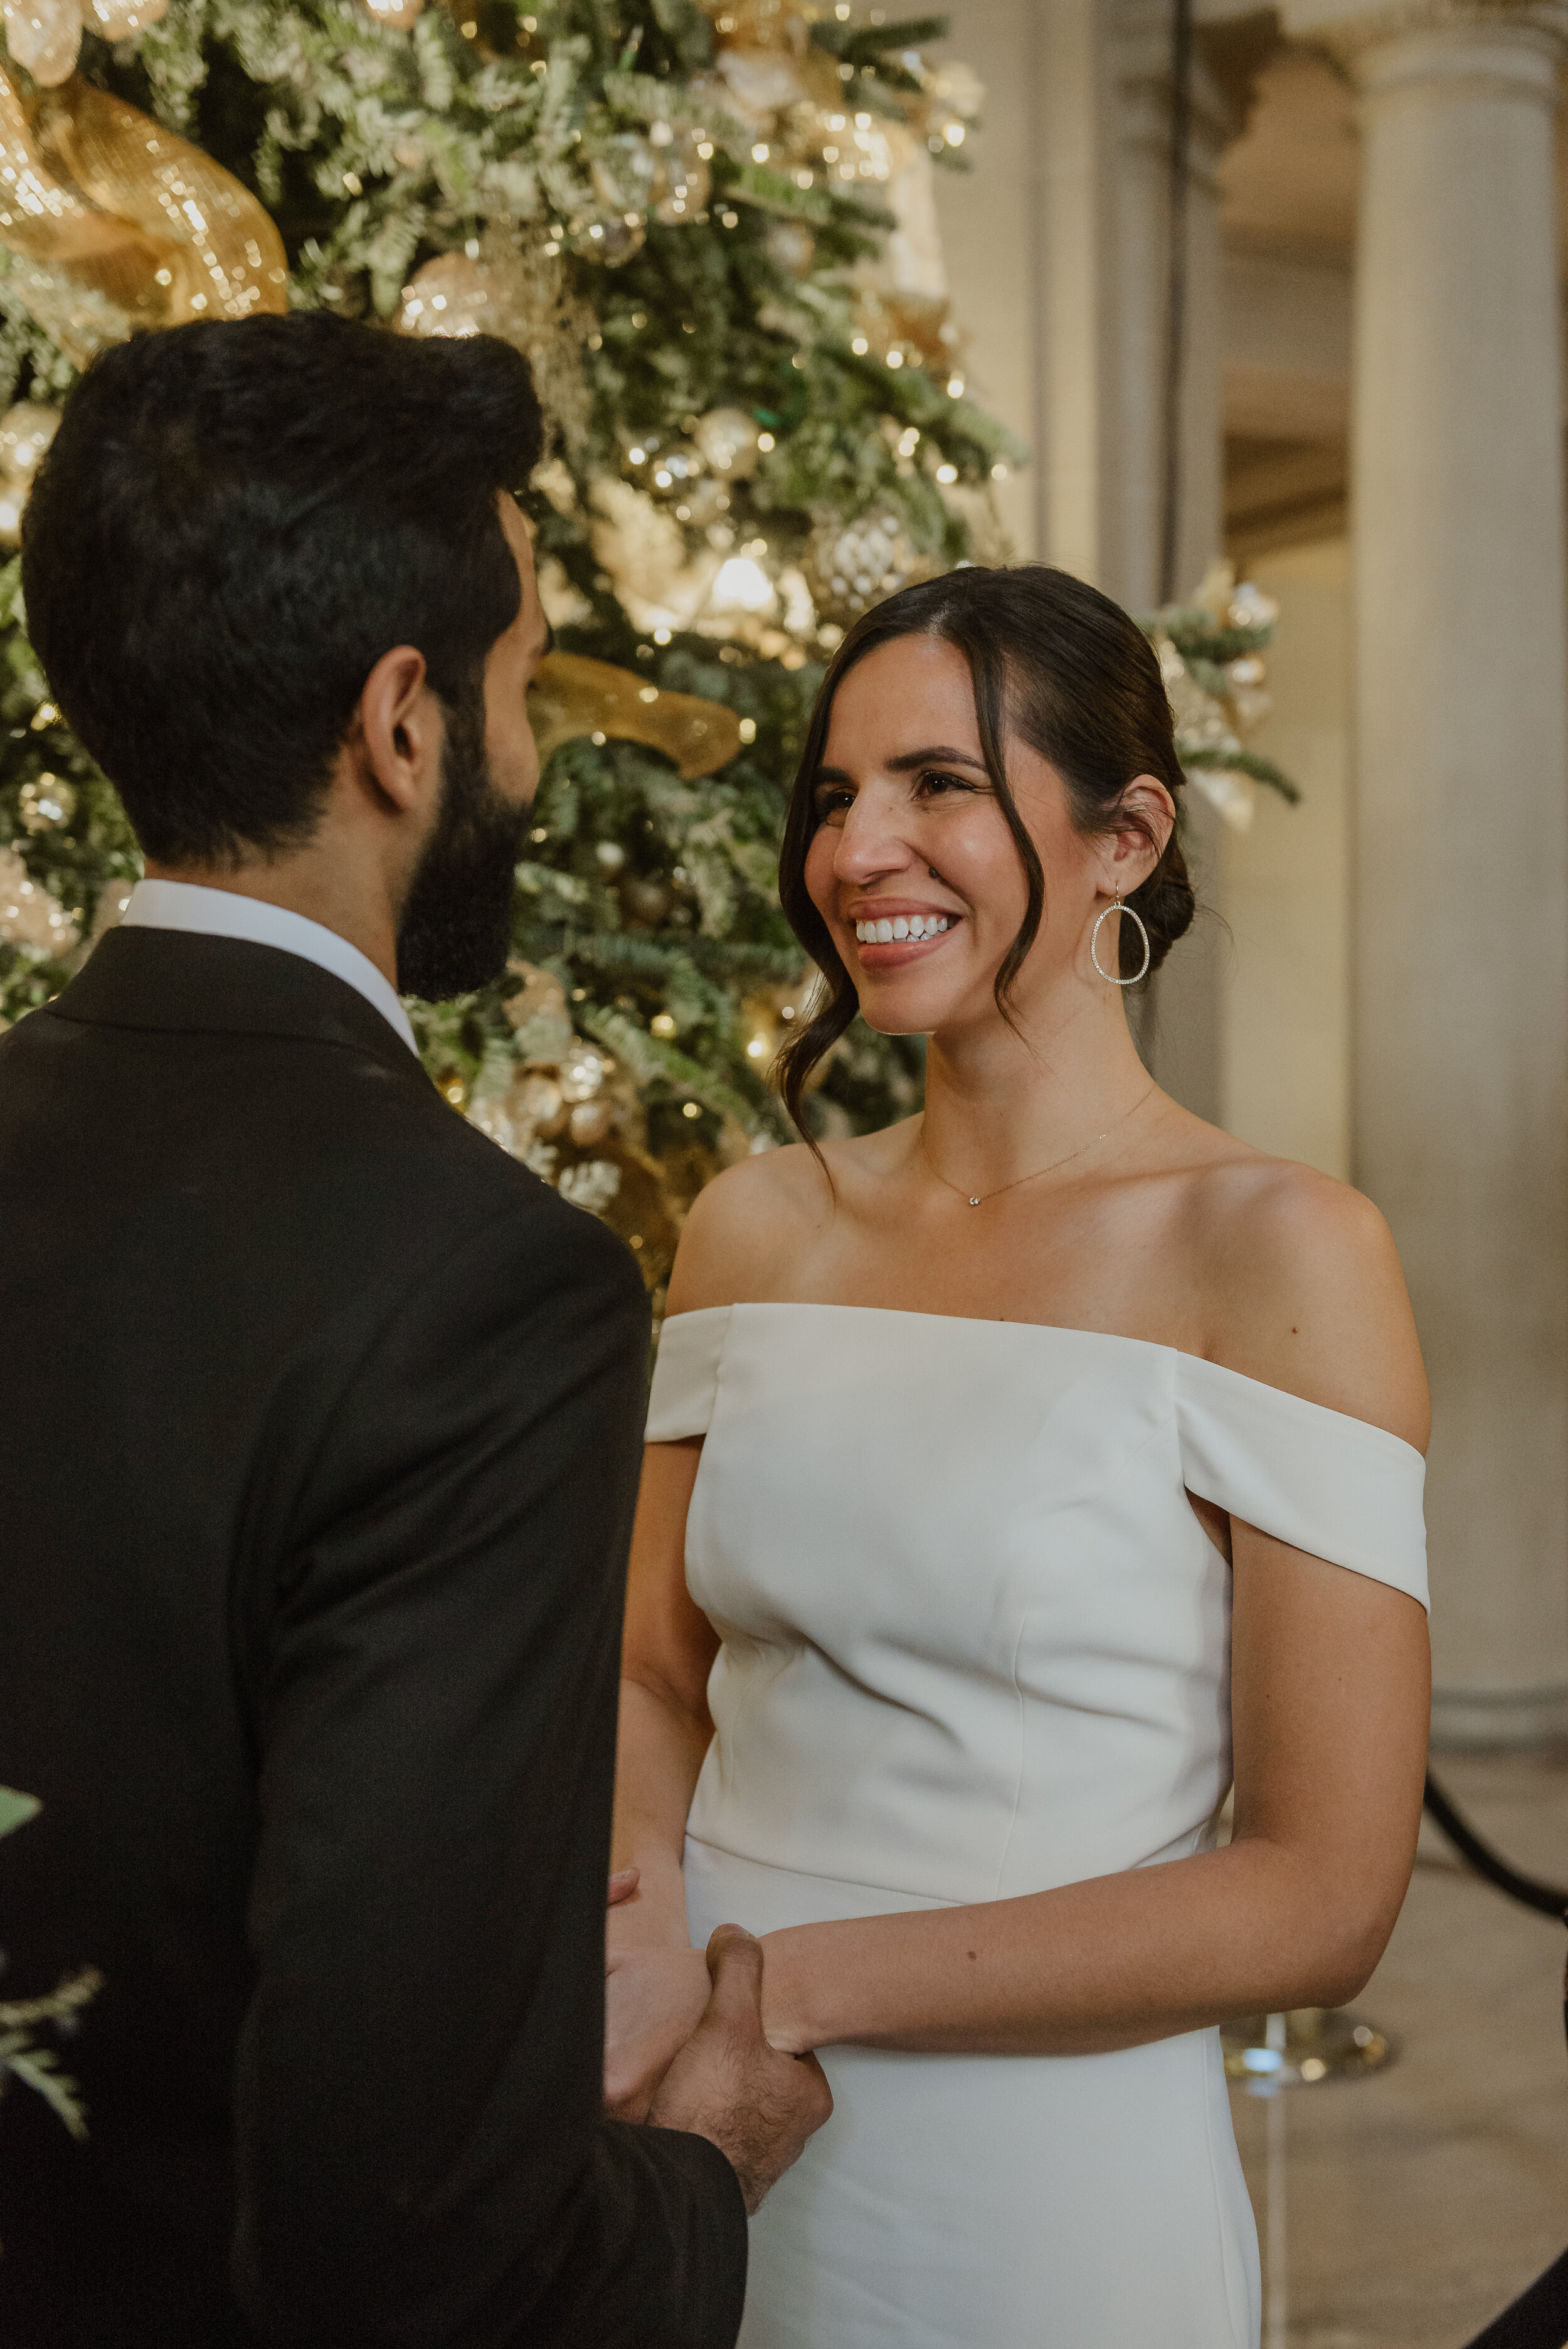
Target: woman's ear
{"type": "Point", "coordinates": [1132, 852]}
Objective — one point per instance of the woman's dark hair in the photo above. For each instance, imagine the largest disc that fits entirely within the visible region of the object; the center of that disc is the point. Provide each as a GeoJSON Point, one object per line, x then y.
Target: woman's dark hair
{"type": "Point", "coordinates": [1062, 667]}
{"type": "Point", "coordinates": [234, 521]}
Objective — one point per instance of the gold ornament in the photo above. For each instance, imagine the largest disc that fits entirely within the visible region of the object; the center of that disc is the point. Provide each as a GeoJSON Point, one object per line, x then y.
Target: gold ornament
{"type": "Point", "coordinates": [572, 696]}
{"type": "Point", "coordinates": [624, 171]}
{"type": "Point", "coordinates": [25, 431]}
{"type": "Point", "coordinates": [674, 471]}
{"type": "Point", "coordinates": [727, 439]}
{"type": "Point", "coordinates": [917, 326]}
{"type": "Point", "coordinates": [615, 242]}
{"type": "Point", "coordinates": [683, 181]}
{"type": "Point", "coordinates": [789, 246]}
{"type": "Point", "coordinates": [759, 25]}
{"type": "Point", "coordinates": [848, 567]}
{"type": "Point", "coordinates": [45, 35]}
{"type": "Point", "coordinates": [539, 1015]}
{"type": "Point", "coordinates": [511, 287]}
{"type": "Point", "coordinates": [118, 225]}
{"type": "Point", "coordinates": [47, 803]}
{"type": "Point", "coordinates": [452, 296]}
{"type": "Point", "coordinates": [29, 916]}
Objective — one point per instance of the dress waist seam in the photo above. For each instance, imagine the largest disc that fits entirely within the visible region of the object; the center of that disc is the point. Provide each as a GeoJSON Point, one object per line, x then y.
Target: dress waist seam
{"type": "Point", "coordinates": [830, 1876]}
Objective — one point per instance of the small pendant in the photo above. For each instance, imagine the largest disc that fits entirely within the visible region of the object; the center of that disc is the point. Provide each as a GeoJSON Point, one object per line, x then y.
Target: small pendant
{"type": "Point", "coordinates": [975, 1203]}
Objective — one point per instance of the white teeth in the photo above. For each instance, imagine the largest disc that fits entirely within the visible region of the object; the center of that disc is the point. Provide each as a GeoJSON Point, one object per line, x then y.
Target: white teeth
{"type": "Point", "coordinates": [912, 928]}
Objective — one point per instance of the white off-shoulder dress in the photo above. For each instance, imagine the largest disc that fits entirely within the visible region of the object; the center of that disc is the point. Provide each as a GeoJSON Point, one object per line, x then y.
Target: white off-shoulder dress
{"type": "Point", "coordinates": [975, 1643]}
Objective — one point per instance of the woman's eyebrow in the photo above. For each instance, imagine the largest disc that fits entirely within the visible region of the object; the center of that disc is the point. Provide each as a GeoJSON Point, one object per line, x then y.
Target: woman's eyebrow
{"type": "Point", "coordinates": [940, 755]}
{"type": "Point", "coordinates": [905, 763]}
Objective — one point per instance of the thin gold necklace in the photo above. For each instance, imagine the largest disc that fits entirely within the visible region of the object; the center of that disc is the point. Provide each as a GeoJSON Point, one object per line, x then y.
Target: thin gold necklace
{"type": "Point", "coordinates": [979, 1199]}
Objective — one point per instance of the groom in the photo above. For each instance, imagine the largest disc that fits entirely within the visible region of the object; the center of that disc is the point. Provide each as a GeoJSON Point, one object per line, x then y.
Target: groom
{"type": "Point", "coordinates": [321, 1421]}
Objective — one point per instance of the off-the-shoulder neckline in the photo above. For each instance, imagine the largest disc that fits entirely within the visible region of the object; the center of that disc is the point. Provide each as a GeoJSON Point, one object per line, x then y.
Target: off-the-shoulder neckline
{"type": "Point", "coordinates": [1048, 1330]}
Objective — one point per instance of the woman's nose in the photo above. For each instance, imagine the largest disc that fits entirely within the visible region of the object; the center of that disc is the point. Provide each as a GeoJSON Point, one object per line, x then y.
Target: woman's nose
{"type": "Point", "coordinates": [869, 844]}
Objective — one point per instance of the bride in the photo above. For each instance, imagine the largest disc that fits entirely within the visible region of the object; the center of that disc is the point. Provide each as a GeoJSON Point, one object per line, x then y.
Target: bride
{"type": "Point", "coordinates": [1015, 1476]}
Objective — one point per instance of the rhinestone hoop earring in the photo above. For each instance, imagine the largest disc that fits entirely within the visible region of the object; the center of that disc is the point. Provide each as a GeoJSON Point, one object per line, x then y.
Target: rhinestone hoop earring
{"type": "Point", "coordinates": [1133, 914]}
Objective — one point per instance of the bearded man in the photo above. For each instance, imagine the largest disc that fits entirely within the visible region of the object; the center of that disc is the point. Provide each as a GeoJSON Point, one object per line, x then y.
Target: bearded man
{"type": "Point", "coordinates": [322, 1426]}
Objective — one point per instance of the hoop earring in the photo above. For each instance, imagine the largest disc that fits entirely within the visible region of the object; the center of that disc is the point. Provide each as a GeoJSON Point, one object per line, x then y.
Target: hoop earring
{"type": "Point", "coordinates": [1133, 914]}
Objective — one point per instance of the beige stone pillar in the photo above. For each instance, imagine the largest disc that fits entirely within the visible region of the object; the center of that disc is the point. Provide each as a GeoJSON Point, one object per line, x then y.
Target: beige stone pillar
{"type": "Point", "coordinates": [1183, 1023]}
{"type": "Point", "coordinates": [1140, 66]}
{"type": "Point", "coordinates": [1461, 795]}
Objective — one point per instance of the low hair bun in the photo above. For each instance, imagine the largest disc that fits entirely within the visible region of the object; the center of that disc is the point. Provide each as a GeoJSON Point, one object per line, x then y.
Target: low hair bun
{"type": "Point", "coordinates": [1165, 904]}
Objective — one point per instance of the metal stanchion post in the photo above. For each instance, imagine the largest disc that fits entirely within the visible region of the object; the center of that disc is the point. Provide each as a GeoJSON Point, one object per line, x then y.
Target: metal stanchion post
{"type": "Point", "coordinates": [1313, 2043]}
{"type": "Point", "coordinates": [1276, 2300]}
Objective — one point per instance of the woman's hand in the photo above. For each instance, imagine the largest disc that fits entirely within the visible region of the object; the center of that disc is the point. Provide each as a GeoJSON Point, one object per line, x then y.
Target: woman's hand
{"type": "Point", "coordinates": [653, 2000]}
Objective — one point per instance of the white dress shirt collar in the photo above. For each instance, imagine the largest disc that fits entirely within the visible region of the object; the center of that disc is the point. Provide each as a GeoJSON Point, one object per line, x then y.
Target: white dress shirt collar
{"type": "Point", "coordinates": [225, 914]}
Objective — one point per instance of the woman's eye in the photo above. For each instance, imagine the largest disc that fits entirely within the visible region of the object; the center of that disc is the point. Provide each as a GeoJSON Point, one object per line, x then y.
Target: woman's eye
{"type": "Point", "coordinates": [832, 806]}
{"type": "Point", "coordinates": [936, 782]}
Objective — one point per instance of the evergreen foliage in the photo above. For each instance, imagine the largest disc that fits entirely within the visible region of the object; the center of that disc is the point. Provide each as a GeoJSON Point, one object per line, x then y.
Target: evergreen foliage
{"type": "Point", "coordinates": [545, 139]}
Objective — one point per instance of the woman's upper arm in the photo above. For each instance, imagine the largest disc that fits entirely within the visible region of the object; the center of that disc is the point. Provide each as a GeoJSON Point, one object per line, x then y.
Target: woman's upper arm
{"type": "Point", "coordinates": [668, 1644]}
{"type": "Point", "coordinates": [1330, 1669]}
{"type": "Point", "coordinates": [1330, 1692]}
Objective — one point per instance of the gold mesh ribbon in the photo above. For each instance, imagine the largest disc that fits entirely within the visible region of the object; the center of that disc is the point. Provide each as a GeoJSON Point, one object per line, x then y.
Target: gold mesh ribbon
{"type": "Point", "coordinates": [114, 224]}
{"type": "Point", "coordinates": [572, 696]}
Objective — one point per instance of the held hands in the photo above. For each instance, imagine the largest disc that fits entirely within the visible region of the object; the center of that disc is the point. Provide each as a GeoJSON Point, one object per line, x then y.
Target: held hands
{"type": "Point", "coordinates": [726, 2083]}
{"type": "Point", "coordinates": [653, 2000]}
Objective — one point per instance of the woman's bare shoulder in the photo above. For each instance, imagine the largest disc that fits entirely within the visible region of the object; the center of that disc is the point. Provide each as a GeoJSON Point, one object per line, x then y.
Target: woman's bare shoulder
{"type": "Point", "coordinates": [1303, 1289]}
{"type": "Point", "coordinates": [748, 1229]}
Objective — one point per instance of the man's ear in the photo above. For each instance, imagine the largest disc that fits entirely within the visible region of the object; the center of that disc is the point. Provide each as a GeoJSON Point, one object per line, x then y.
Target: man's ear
{"type": "Point", "coordinates": [399, 734]}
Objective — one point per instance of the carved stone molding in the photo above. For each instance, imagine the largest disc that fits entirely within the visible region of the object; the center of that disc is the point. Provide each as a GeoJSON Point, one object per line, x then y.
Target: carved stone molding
{"type": "Point", "coordinates": [1516, 45]}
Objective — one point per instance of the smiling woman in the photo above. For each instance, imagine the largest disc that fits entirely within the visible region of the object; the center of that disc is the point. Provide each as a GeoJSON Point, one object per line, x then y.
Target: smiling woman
{"type": "Point", "coordinates": [1018, 1478]}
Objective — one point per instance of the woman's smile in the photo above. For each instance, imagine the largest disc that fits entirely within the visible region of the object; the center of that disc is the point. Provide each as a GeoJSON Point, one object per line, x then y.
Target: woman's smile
{"type": "Point", "coordinates": [892, 931]}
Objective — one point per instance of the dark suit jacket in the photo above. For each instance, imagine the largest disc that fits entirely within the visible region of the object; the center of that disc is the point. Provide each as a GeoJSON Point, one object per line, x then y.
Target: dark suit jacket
{"type": "Point", "coordinates": [319, 1425]}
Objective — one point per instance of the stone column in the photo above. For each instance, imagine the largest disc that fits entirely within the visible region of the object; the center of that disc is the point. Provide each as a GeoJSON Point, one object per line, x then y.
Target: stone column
{"type": "Point", "coordinates": [1140, 62]}
{"type": "Point", "coordinates": [1181, 1026]}
{"type": "Point", "coordinates": [1078, 402]}
{"type": "Point", "coordinates": [1461, 825]}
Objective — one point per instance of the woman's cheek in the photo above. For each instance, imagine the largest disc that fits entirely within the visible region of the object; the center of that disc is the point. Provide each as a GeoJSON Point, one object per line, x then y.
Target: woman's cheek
{"type": "Point", "coordinates": [820, 886]}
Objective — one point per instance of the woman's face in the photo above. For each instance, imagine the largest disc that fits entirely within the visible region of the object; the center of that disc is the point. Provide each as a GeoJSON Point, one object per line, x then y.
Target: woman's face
{"type": "Point", "coordinates": [909, 834]}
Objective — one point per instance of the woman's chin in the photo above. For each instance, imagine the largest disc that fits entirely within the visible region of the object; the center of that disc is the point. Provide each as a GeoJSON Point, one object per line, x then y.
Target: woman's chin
{"type": "Point", "coordinates": [903, 1006]}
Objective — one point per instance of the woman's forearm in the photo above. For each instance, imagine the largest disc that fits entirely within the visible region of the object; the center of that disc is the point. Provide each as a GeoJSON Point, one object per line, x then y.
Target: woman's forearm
{"type": "Point", "coordinates": [659, 1755]}
{"type": "Point", "coordinates": [1112, 1963]}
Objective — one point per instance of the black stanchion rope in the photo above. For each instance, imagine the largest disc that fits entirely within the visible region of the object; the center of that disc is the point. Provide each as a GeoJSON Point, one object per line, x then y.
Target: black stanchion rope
{"type": "Point", "coordinates": [1538, 2319]}
{"type": "Point", "coordinates": [1549, 1899]}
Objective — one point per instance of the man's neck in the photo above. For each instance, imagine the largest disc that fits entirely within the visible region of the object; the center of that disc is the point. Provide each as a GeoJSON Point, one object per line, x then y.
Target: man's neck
{"type": "Point", "coordinates": [311, 885]}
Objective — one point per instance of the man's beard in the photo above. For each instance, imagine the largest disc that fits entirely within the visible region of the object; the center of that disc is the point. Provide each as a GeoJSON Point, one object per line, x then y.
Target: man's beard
{"type": "Point", "coordinates": [455, 930]}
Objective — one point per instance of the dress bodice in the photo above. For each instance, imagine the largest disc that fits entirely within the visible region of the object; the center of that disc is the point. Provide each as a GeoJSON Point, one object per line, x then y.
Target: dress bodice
{"type": "Point", "coordinates": [976, 1641]}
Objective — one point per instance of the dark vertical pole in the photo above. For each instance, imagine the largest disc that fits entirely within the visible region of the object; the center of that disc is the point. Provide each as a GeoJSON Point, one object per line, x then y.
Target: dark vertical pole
{"type": "Point", "coordinates": [1176, 291]}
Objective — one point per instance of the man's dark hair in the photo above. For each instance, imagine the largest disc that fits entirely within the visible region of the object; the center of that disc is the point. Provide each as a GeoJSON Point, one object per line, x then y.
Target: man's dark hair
{"type": "Point", "coordinates": [233, 524]}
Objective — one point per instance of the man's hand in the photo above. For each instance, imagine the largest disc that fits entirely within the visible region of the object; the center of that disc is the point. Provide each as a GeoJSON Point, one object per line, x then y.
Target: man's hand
{"type": "Point", "coordinates": [653, 2000]}
{"type": "Point", "coordinates": [729, 2085]}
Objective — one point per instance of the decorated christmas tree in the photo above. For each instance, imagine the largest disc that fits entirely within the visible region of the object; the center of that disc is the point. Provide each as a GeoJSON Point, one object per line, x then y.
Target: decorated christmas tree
{"type": "Point", "coordinates": [712, 230]}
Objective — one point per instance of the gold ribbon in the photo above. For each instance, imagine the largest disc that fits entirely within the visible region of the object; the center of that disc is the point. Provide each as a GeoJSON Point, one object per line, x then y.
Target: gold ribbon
{"type": "Point", "coordinates": [572, 696]}
{"type": "Point", "coordinates": [115, 226]}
